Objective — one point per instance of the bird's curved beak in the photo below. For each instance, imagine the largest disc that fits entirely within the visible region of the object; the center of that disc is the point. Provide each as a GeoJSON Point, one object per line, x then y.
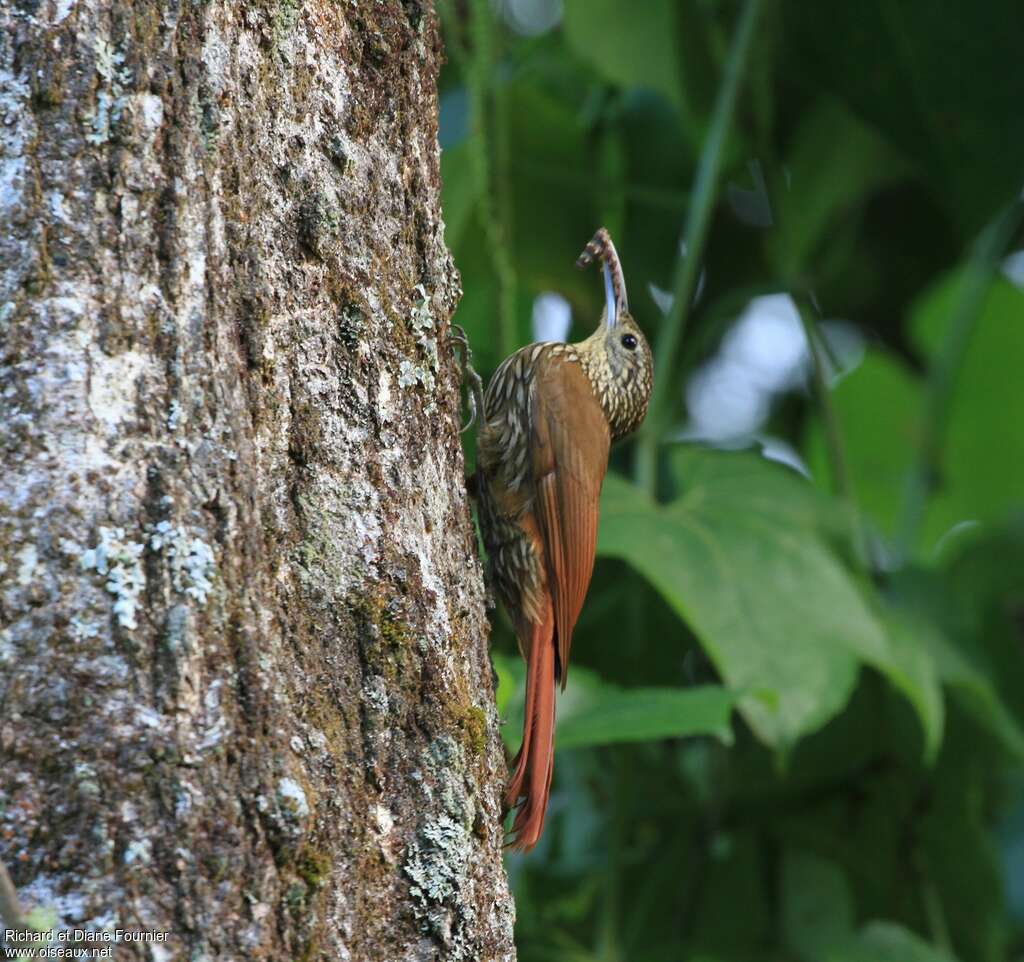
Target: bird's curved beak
{"type": "Point", "coordinates": [609, 296]}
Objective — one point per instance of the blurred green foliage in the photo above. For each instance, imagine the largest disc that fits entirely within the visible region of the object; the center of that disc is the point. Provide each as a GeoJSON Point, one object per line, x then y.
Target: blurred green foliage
{"type": "Point", "coordinates": [794, 726]}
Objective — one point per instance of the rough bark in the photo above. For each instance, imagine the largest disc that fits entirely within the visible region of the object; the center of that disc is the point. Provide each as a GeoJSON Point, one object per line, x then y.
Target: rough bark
{"type": "Point", "coordinates": [245, 696]}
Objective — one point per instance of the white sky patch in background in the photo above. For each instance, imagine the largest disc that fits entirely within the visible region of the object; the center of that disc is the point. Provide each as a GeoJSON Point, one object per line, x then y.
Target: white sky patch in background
{"type": "Point", "coordinates": [768, 342]}
{"type": "Point", "coordinates": [530, 17]}
{"type": "Point", "coordinates": [723, 402]}
{"type": "Point", "coordinates": [552, 316]}
{"type": "Point", "coordinates": [764, 354]}
{"type": "Point", "coordinates": [729, 396]}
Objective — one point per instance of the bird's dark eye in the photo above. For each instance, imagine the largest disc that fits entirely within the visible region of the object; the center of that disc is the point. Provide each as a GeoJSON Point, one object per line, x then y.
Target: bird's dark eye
{"type": "Point", "coordinates": [628, 342]}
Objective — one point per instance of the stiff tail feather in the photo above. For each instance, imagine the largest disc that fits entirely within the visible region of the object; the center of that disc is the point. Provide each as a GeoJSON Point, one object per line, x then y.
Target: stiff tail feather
{"type": "Point", "coordinates": [533, 766]}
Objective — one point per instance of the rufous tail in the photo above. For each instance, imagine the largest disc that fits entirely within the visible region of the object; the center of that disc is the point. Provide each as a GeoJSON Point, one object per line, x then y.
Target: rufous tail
{"type": "Point", "coordinates": [532, 767]}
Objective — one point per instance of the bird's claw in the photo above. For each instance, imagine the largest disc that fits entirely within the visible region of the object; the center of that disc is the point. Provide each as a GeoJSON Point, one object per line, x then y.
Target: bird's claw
{"type": "Point", "coordinates": [475, 393]}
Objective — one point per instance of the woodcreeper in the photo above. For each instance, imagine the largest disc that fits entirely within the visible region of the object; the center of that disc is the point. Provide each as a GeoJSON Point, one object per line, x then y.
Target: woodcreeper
{"type": "Point", "coordinates": [551, 413]}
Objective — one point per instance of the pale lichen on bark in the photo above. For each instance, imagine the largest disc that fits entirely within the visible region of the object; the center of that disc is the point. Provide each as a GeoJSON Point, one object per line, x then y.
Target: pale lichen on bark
{"type": "Point", "coordinates": [244, 688]}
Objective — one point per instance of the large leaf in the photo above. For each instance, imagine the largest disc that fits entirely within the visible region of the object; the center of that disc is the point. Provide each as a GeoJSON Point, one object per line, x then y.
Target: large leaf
{"type": "Point", "coordinates": [737, 557]}
{"type": "Point", "coordinates": [610, 715]}
{"type": "Point", "coordinates": [762, 488]}
{"type": "Point", "coordinates": [913, 667]}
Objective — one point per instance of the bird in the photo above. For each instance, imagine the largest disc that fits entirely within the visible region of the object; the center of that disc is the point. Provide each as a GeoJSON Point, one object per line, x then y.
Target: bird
{"type": "Point", "coordinates": [551, 412]}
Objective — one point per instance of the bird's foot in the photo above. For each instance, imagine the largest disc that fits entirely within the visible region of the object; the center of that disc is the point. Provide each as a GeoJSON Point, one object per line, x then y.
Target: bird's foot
{"type": "Point", "coordinates": [475, 386]}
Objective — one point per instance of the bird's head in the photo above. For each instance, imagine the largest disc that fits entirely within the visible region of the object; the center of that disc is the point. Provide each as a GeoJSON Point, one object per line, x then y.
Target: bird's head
{"type": "Point", "coordinates": [620, 357]}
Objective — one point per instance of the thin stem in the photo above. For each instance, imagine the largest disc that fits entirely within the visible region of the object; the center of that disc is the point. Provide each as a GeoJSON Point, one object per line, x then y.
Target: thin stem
{"type": "Point", "coordinates": [702, 201]}
{"type": "Point", "coordinates": [923, 476]}
{"type": "Point", "coordinates": [833, 436]}
{"type": "Point", "coordinates": [838, 463]}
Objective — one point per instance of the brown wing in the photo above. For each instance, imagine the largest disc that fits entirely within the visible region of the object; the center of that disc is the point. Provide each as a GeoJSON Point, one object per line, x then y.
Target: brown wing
{"type": "Point", "coordinates": [569, 456]}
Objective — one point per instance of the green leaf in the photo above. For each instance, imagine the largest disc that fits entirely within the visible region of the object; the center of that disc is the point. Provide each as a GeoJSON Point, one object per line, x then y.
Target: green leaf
{"type": "Point", "coordinates": [747, 482]}
{"type": "Point", "coordinates": [610, 715]}
{"type": "Point", "coordinates": [739, 555]}
{"type": "Point", "coordinates": [593, 712]}
{"type": "Point", "coordinates": [912, 667]}
{"type": "Point", "coordinates": [771, 605]}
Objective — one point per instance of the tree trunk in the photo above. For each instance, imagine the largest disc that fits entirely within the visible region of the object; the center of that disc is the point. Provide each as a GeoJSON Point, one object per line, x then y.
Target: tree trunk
{"type": "Point", "coordinates": [245, 698]}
